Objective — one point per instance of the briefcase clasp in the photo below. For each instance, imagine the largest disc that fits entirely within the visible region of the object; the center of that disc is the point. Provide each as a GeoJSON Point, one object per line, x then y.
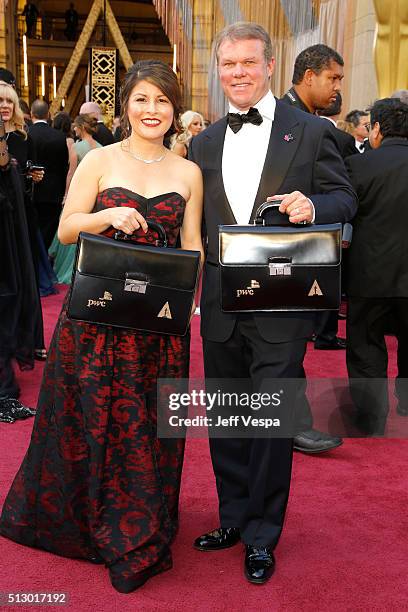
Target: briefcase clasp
{"type": "Point", "coordinates": [136, 286]}
{"type": "Point", "coordinates": [280, 266]}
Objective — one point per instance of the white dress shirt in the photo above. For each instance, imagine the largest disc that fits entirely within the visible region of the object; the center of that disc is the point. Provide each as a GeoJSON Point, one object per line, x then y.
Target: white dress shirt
{"type": "Point", "coordinates": [243, 159]}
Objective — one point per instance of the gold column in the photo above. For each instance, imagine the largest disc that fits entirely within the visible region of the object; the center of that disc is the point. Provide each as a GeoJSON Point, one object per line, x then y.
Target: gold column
{"type": "Point", "coordinates": [3, 36]}
{"type": "Point", "coordinates": [203, 11]}
{"type": "Point", "coordinates": [117, 37]}
{"type": "Point", "coordinates": [391, 45]}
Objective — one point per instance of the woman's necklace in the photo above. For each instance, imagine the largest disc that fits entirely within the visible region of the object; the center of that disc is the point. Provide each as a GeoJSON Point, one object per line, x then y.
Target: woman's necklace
{"type": "Point", "coordinates": [147, 161]}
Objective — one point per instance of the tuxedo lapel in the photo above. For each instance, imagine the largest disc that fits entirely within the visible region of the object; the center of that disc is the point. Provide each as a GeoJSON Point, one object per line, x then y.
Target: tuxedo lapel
{"type": "Point", "coordinates": [285, 138]}
{"type": "Point", "coordinates": [212, 170]}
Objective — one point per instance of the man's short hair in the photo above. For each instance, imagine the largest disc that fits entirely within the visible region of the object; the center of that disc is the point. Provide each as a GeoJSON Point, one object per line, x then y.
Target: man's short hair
{"type": "Point", "coordinates": [39, 109]}
{"type": "Point", "coordinates": [402, 94]}
{"type": "Point", "coordinates": [392, 115]}
{"type": "Point", "coordinates": [8, 77]}
{"type": "Point", "coordinates": [245, 30]}
{"type": "Point", "coordinates": [93, 108]}
{"type": "Point", "coordinates": [355, 115]}
{"type": "Point", "coordinates": [316, 58]}
{"type": "Point", "coordinates": [334, 108]}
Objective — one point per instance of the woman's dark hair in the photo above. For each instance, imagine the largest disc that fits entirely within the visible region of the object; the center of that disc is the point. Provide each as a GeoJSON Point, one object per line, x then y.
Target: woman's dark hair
{"type": "Point", "coordinates": [87, 123]}
{"type": "Point", "coordinates": [62, 121]}
{"type": "Point", "coordinates": [162, 76]}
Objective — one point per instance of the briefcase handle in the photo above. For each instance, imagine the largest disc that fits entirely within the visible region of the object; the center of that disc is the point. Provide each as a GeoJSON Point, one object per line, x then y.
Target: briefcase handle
{"type": "Point", "coordinates": [281, 219]}
{"type": "Point", "coordinates": [273, 207]}
{"type": "Point", "coordinates": [152, 225]}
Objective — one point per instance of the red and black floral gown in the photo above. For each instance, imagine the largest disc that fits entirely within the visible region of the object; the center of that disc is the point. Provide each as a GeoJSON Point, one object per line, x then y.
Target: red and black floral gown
{"type": "Point", "coordinates": [96, 482]}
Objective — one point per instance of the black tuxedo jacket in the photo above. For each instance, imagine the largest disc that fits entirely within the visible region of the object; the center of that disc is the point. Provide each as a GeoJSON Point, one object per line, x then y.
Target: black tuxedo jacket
{"type": "Point", "coordinates": [103, 135]}
{"type": "Point", "coordinates": [345, 142]}
{"type": "Point", "coordinates": [302, 155]}
{"type": "Point", "coordinates": [52, 153]}
{"type": "Point", "coordinates": [378, 257]}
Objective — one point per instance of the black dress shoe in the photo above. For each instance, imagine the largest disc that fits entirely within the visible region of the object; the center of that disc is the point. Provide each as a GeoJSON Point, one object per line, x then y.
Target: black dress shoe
{"type": "Point", "coordinates": [336, 344]}
{"type": "Point", "coordinates": [259, 564]}
{"type": "Point", "coordinates": [218, 539]}
{"type": "Point", "coordinates": [313, 441]}
{"type": "Point", "coordinates": [11, 410]}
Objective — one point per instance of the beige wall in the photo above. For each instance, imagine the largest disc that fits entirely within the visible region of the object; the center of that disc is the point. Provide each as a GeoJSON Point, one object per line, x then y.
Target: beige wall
{"type": "Point", "coordinates": [360, 83]}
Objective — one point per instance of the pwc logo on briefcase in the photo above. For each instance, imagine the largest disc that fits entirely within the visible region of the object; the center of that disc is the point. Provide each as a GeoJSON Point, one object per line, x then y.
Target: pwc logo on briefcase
{"type": "Point", "coordinates": [100, 302]}
{"type": "Point", "coordinates": [248, 290]}
{"type": "Point", "coordinates": [314, 289]}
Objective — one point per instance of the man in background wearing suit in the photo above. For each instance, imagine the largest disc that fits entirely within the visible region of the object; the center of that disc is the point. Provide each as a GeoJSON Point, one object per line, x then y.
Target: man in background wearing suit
{"type": "Point", "coordinates": [103, 135]}
{"type": "Point", "coordinates": [52, 153]}
{"type": "Point", "coordinates": [378, 271]}
{"type": "Point", "coordinates": [360, 121]}
{"type": "Point", "coordinates": [316, 83]}
{"type": "Point", "coordinates": [263, 148]}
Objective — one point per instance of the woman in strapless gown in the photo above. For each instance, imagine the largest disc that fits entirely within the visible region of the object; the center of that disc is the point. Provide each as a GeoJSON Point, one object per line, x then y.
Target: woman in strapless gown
{"type": "Point", "coordinates": [96, 482]}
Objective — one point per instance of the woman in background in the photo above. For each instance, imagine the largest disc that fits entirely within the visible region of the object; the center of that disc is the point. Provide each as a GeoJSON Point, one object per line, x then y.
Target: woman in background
{"type": "Point", "coordinates": [21, 148]}
{"type": "Point", "coordinates": [19, 299]}
{"type": "Point", "coordinates": [84, 128]}
{"type": "Point", "coordinates": [193, 124]}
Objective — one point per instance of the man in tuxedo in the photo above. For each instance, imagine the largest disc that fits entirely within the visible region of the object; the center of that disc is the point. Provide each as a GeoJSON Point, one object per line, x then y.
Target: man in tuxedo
{"type": "Point", "coordinates": [378, 271]}
{"type": "Point", "coordinates": [52, 153]}
{"type": "Point", "coordinates": [262, 149]}
{"type": "Point", "coordinates": [103, 135]}
{"type": "Point", "coordinates": [360, 122]}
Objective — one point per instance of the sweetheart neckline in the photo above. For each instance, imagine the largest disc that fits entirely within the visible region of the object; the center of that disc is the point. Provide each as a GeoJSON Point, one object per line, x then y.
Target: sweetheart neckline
{"type": "Point", "coordinates": [139, 195]}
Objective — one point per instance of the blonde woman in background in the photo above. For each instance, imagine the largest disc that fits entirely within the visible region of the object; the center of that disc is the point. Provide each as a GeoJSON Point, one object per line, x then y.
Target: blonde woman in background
{"type": "Point", "coordinates": [193, 124]}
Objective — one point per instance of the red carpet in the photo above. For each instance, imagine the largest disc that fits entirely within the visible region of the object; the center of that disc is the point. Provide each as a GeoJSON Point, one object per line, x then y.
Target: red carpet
{"type": "Point", "coordinates": [344, 546]}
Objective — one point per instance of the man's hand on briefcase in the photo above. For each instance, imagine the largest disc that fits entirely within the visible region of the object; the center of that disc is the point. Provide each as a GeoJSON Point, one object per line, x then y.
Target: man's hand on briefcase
{"type": "Point", "coordinates": [126, 219]}
{"type": "Point", "coordinates": [299, 208]}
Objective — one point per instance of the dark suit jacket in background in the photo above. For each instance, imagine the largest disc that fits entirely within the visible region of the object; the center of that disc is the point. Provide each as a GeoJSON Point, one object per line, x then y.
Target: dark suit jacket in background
{"type": "Point", "coordinates": [378, 255]}
{"type": "Point", "coordinates": [302, 155]}
{"type": "Point", "coordinates": [345, 142]}
{"type": "Point", "coordinates": [103, 135]}
{"type": "Point", "coordinates": [52, 153]}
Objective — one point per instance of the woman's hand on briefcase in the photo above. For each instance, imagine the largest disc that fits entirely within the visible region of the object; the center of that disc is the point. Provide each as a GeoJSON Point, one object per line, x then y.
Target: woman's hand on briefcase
{"type": "Point", "coordinates": [127, 219]}
{"type": "Point", "coordinates": [296, 205]}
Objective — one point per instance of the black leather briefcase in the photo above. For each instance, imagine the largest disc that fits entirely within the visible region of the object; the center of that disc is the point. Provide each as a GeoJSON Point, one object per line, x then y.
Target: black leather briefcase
{"type": "Point", "coordinates": [281, 267]}
{"type": "Point", "coordinates": [125, 284]}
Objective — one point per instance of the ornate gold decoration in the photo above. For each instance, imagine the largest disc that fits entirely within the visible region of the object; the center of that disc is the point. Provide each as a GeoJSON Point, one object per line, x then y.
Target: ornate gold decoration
{"type": "Point", "coordinates": [82, 43]}
{"type": "Point", "coordinates": [103, 78]}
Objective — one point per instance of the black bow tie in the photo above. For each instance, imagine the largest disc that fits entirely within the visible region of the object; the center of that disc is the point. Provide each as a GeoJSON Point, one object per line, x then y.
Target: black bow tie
{"type": "Point", "coordinates": [236, 120]}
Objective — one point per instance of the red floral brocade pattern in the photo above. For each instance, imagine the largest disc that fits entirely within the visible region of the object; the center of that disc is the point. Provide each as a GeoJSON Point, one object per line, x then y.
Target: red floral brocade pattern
{"type": "Point", "coordinates": [96, 483]}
